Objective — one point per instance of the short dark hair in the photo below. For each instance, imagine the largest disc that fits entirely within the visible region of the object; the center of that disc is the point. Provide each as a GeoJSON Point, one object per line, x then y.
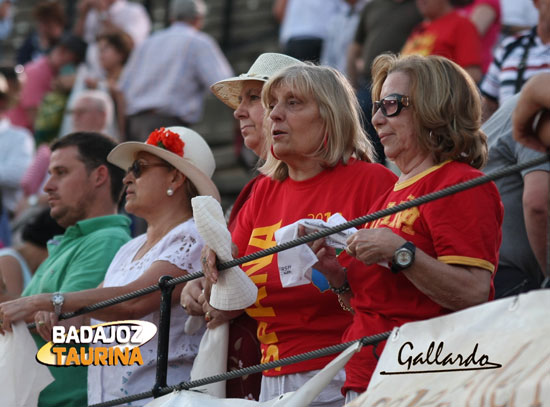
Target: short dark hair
{"type": "Point", "coordinates": [74, 44]}
{"type": "Point", "coordinates": [93, 149]}
{"type": "Point", "coordinates": [49, 11]}
{"type": "Point", "coordinates": [119, 40]}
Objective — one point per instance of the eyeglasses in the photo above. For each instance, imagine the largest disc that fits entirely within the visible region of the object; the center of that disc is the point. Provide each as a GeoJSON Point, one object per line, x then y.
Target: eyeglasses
{"type": "Point", "coordinates": [391, 105]}
{"type": "Point", "coordinates": [138, 166]}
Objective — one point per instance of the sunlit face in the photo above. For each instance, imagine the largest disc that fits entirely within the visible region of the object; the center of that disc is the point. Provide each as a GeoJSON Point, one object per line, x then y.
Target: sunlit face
{"type": "Point", "coordinates": [69, 188]}
{"type": "Point", "coordinates": [297, 128]}
{"type": "Point", "coordinates": [146, 192]}
{"type": "Point", "coordinates": [397, 134]}
{"type": "Point", "coordinates": [250, 114]}
{"type": "Point", "coordinates": [109, 57]}
{"type": "Point", "coordinates": [87, 117]}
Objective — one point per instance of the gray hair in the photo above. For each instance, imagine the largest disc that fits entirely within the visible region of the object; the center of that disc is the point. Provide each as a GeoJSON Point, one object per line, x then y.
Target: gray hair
{"type": "Point", "coordinates": [187, 10]}
{"type": "Point", "coordinates": [101, 101]}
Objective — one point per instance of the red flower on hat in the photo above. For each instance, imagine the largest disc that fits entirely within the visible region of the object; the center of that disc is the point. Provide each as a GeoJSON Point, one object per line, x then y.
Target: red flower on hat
{"type": "Point", "coordinates": [168, 140]}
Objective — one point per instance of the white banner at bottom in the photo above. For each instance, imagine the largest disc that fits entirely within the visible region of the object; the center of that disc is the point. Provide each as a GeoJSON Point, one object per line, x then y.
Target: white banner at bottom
{"type": "Point", "coordinates": [301, 397]}
{"type": "Point", "coordinates": [495, 354]}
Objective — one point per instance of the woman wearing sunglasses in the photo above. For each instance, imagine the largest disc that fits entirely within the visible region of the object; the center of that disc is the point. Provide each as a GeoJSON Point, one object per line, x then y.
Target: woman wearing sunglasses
{"type": "Point", "coordinates": [318, 164]}
{"type": "Point", "coordinates": [438, 257]}
{"type": "Point", "coordinates": [164, 174]}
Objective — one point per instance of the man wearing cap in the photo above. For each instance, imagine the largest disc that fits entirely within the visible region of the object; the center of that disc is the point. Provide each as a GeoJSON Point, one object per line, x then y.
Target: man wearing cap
{"type": "Point", "coordinates": [40, 75]}
{"type": "Point", "coordinates": [167, 76]}
{"type": "Point", "coordinates": [83, 192]}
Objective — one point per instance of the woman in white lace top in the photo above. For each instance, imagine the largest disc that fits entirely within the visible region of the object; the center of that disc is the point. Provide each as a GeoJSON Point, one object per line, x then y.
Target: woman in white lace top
{"type": "Point", "coordinates": [164, 173]}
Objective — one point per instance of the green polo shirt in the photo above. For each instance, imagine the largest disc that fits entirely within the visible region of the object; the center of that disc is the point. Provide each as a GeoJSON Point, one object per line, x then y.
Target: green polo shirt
{"type": "Point", "coordinates": [77, 260]}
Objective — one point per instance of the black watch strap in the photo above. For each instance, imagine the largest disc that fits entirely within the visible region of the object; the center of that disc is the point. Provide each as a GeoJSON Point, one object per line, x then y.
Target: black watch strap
{"type": "Point", "coordinates": [408, 248]}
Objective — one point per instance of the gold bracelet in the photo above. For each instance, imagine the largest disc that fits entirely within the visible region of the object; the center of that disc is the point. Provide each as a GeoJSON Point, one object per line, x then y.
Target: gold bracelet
{"type": "Point", "coordinates": [343, 304]}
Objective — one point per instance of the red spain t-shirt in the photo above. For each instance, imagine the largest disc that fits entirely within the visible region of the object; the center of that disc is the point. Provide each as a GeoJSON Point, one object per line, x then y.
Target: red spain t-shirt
{"type": "Point", "coordinates": [301, 319]}
{"type": "Point", "coordinates": [452, 36]}
{"type": "Point", "coordinates": [461, 229]}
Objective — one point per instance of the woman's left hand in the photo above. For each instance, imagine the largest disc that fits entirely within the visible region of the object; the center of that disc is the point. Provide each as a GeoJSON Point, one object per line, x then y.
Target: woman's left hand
{"type": "Point", "coordinates": [190, 296]}
{"type": "Point", "coordinates": [372, 246]}
{"type": "Point", "coordinates": [215, 317]}
{"type": "Point", "coordinates": [328, 263]}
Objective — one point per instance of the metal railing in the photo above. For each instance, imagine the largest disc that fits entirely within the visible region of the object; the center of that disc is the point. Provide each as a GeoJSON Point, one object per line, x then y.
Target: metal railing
{"type": "Point", "coordinates": [166, 285]}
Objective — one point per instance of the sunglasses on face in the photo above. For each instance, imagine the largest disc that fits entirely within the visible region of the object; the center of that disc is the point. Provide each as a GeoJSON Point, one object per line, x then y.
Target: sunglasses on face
{"type": "Point", "coordinates": [138, 167]}
{"type": "Point", "coordinates": [391, 105]}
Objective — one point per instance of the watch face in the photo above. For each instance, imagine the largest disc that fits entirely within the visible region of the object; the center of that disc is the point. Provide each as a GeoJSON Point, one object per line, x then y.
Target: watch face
{"type": "Point", "coordinates": [403, 257]}
{"type": "Point", "coordinates": [57, 299]}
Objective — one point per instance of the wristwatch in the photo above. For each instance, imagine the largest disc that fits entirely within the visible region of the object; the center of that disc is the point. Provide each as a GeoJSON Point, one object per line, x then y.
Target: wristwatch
{"type": "Point", "coordinates": [403, 257]}
{"type": "Point", "coordinates": [57, 300]}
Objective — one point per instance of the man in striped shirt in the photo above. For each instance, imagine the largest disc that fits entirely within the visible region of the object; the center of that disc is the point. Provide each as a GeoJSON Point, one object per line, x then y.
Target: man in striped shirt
{"type": "Point", "coordinates": [516, 60]}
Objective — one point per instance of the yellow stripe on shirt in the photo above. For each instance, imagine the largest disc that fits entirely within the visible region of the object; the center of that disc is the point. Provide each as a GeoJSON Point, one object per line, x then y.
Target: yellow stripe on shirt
{"type": "Point", "coordinates": [468, 261]}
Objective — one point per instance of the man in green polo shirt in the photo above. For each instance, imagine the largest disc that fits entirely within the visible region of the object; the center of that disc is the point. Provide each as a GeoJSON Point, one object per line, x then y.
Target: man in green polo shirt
{"type": "Point", "coordinates": [83, 193]}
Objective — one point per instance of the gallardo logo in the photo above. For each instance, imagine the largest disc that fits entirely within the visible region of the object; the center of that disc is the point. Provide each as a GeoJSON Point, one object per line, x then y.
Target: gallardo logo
{"type": "Point", "coordinates": [115, 343]}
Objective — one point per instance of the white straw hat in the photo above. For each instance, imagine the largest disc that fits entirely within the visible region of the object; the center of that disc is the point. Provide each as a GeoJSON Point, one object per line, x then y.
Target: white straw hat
{"type": "Point", "coordinates": [234, 289]}
{"type": "Point", "coordinates": [195, 160]}
{"type": "Point", "coordinates": [265, 66]}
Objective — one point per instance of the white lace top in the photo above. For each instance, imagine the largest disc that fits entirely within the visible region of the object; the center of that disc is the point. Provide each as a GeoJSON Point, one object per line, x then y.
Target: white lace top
{"type": "Point", "coordinates": [181, 247]}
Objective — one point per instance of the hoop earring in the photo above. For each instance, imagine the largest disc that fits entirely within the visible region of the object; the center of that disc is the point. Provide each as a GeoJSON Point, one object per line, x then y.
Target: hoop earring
{"type": "Point", "coordinates": [273, 153]}
{"type": "Point", "coordinates": [169, 192]}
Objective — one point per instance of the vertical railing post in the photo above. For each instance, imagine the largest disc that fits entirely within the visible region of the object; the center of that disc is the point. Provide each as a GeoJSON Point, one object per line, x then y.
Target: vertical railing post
{"type": "Point", "coordinates": [163, 334]}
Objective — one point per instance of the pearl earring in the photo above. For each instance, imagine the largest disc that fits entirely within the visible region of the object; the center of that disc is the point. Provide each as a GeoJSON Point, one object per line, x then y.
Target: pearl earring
{"type": "Point", "coordinates": [169, 192]}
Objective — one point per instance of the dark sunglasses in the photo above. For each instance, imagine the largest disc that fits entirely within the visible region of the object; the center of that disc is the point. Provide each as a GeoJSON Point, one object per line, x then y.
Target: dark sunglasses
{"type": "Point", "coordinates": [137, 167]}
{"type": "Point", "coordinates": [391, 105]}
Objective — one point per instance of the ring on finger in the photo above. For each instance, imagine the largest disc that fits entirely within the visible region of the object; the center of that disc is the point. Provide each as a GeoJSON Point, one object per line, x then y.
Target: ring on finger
{"type": "Point", "coordinates": [40, 323]}
{"type": "Point", "coordinates": [204, 261]}
{"type": "Point", "coordinates": [184, 306]}
{"type": "Point", "coordinates": [207, 316]}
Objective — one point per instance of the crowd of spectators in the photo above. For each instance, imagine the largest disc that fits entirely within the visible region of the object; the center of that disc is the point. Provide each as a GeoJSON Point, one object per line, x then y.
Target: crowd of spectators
{"type": "Point", "coordinates": [107, 47]}
{"type": "Point", "coordinates": [101, 68]}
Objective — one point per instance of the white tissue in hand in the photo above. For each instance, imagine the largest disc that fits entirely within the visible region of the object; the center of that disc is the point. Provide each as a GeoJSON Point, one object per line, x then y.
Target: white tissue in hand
{"type": "Point", "coordinates": [234, 290]}
{"type": "Point", "coordinates": [295, 263]}
{"type": "Point", "coordinates": [337, 240]}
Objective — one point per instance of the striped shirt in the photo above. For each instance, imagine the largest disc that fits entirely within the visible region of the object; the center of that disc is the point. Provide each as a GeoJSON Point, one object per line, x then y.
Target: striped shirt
{"type": "Point", "coordinates": [500, 82]}
{"type": "Point", "coordinates": [171, 71]}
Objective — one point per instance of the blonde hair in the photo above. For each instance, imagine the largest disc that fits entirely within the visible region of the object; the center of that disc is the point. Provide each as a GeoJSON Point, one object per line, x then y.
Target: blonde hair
{"type": "Point", "coordinates": [338, 108]}
{"type": "Point", "coordinates": [446, 105]}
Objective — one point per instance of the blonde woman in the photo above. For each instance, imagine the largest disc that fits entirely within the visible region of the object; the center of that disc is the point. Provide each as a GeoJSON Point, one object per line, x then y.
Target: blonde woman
{"type": "Point", "coordinates": [319, 164]}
